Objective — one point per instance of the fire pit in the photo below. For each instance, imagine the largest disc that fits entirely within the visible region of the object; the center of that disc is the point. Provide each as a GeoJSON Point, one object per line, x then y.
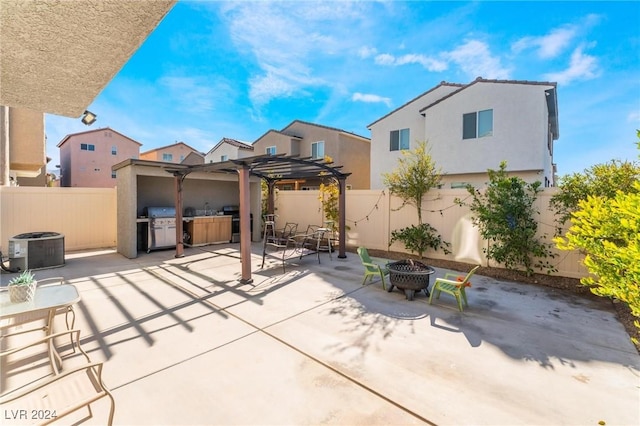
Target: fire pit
{"type": "Point", "coordinates": [409, 275]}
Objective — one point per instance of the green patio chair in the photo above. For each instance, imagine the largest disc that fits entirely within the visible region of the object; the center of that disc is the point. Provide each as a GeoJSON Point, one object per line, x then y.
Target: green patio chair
{"type": "Point", "coordinates": [454, 285]}
{"type": "Point", "coordinates": [371, 269]}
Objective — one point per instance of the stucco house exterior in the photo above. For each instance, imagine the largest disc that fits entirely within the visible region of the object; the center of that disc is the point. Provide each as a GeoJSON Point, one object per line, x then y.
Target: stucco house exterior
{"type": "Point", "coordinates": [228, 149]}
{"type": "Point", "coordinates": [86, 157]}
{"type": "Point", "coordinates": [174, 153]}
{"type": "Point", "coordinates": [317, 141]}
{"type": "Point", "coordinates": [472, 127]}
{"type": "Point", "coordinates": [35, 44]}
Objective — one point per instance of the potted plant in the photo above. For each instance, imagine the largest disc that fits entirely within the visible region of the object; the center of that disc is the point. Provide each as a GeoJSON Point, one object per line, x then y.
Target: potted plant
{"type": "Point", "coordinates": [23, 287]}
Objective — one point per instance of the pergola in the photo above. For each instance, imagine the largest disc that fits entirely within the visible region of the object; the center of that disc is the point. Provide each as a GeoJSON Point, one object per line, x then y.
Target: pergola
{"type": "Point", "coordinates": [271, 168]}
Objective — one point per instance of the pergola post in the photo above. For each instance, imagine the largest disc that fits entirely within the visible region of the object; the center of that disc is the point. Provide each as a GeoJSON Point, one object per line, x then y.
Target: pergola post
{"type": "Point", "coordinates": [178, 179]}
{"type": "Point", "coordinates": [245, 224]}
{"type": "Point", "coordinates": [271, 185]}
{"type": "Point", "coordinates": [341, 217]}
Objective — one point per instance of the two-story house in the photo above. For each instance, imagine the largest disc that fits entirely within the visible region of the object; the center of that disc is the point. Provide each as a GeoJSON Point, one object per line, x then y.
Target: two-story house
{"type": "Point", "coordinates": [317, 141]}
{"type": "Point", "coordinates": [471, 128]}
{"type": "Point", "coordinates": [86, 157]}
{"type": "Point", "coordinates": [174, 153]}
{"type": "Point", "coordinates": [228, 149]}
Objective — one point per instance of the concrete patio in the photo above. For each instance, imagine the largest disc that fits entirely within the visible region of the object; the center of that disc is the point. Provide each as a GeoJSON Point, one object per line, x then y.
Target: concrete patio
{"type": "Point", "coordinates": [184, 343]}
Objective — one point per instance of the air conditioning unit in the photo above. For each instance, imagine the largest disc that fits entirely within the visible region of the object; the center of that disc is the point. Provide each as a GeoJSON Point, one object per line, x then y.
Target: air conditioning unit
{"type": "Point", "coordinates": [36, 250]}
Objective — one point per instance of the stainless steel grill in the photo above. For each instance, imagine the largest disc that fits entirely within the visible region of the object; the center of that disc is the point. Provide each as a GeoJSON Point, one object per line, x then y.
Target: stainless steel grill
{"type": "Point", "coordinates": [162, 227]}
{"type": "Point", "coordinates": [234, 212]}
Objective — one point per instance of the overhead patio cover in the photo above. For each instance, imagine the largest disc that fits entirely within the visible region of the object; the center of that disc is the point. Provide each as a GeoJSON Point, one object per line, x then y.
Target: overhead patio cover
{"type": "Point", "coordinates": [271, 168]}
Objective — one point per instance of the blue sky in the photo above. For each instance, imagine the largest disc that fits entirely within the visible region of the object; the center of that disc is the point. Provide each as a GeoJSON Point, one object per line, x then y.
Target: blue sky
{"type": "Point", "coordinates": [237, 69]}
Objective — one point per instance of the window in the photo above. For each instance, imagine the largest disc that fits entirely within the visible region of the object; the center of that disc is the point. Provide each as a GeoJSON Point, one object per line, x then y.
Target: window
{"type": "Point", "coordinates": [271, 150]}
{"type": "Point", "coordinates": [181, 158]}
{"type": "Point", "coordinates": [114, 150]}
{"type": "Point", "coordinates": [87, 147]}
{"type": "Point", "coordinates": [224, 157]}
{"type": "Point", "coordinates": [113, 175]}
{"type": "Point", "coordinates": [317, 149]}
{"type": "Point", "coordinates": [477, 124]}
{"type": "Point", "coordinates": [399, 140]}
{"type": "Point", "coordinates": [167, 157]}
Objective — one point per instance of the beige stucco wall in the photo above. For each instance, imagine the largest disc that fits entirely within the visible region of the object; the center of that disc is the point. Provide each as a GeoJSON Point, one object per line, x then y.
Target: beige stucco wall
{"type": "Point", "coordinates": [83, 168]}
{"type": "Point", "coordinates": [284, 144]}
{"type": "Point", "coordinates": [349, 151]}
{"type": "Point", "coordinates": [27, 144]}
{"type": "Point", "coordinates": [178, 151]}
{"type": "Point", "coordinates": [86, 216]}
{"type": "Point", "coordinates": [407, 117]}
{"type": "Point", "coordinates": [232, 153]}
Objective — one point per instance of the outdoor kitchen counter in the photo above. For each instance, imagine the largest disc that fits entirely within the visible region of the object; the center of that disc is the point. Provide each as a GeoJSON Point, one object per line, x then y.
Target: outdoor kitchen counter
{"type": "Point", "coordinates": [204, 230]}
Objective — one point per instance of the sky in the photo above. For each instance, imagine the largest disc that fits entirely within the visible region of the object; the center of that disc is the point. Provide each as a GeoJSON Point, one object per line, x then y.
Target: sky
{"type": "Point", "coordinates": [214, 69]}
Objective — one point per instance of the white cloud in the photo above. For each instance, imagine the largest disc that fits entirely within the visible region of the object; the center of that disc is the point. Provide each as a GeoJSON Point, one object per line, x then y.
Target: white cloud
{"type": "Point", "coordinates": [557, 40]}
{"type": "Point", "coordinates": [370, 98]}
{"type": "Point", "coordinates": [385, 59]}
{"type": "Point", "coordinates": [367, 52]}
{"type": "Point", "coordinates": [428, 63]}
{"type": "Point", "coordinates": [548, 46]}
{"type": "Point", "coordinates": [287, 41]}
{"type": "Point", "coordinates": [581, 67]}
{"type": "Point", "coordinates": [634, 117]}
{"type": "Point", "coordinates": [475, 59]}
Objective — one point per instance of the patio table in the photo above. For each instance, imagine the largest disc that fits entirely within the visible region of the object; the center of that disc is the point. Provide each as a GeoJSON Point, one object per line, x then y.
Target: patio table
{"type": "Point", "coordinates": [46, 302]}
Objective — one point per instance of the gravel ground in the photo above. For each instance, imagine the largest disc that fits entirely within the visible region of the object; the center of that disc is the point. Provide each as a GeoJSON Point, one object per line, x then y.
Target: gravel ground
{"type": "Point", "coordinates": [572, 285]}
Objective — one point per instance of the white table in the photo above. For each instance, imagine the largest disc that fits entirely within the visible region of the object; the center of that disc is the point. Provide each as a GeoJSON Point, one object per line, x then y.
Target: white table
{"type": "Point", "coordinates": [46, 302]}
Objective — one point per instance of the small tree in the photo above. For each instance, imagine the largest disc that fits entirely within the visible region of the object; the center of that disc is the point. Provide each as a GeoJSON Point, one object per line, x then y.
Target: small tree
{"type": "Point", "coordinates": [504, 213]}
{"type": "Point", "coordinates": [328, 196]}
{"type": "Point", "coordinates": [415, 175]}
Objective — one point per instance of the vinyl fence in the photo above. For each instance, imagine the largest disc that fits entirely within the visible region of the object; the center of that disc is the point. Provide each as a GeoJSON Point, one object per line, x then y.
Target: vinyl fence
{"type": "Point", "coordinates": [85, 216]}
{"type": "Point", "coordinates": [371, 216]}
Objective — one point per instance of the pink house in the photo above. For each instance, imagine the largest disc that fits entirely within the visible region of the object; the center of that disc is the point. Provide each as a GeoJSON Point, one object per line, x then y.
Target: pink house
{"type": "Point", "coordinates": [86, 157]}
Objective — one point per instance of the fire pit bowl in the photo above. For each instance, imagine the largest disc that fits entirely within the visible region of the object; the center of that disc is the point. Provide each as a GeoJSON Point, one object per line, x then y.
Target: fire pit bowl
{"type": "Point", "coordinates": [410, 276]}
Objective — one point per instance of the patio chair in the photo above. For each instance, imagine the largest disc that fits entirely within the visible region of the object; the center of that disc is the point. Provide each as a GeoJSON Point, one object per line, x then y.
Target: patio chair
{"type": "Point", "coordinates": [371, 269]}
{"type": "Point", "coordinates": [78, 386]}
{"type": "Point", "coordinates": [283, 236]}
{"type": "Point", "coordinates": [454, 285]}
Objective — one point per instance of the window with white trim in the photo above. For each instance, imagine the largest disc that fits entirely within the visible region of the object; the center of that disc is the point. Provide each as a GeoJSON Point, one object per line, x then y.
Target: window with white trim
{"type": "Point", "coordinates": [87, 147]}
{"type": "Point", "coordinates": [114, 150]}
{"type": "Point", "coordinates": [477, 124]}
{"type": "Point", "coordinates": [224, 157]}
{"type": "Point", "coordinates": [317, 149]}
{"type": "Point", "coordinates": [167, 157]}
{"type": "Point", "coordinates": [271, 150]}
{"type": "Point", "coordinates": [399, 140]}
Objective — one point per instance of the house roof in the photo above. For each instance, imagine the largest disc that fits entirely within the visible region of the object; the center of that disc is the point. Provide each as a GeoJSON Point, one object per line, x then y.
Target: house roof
{"type": "Point", "coordinates": [275, 131]}
{"type": "Point", "coordinates": [552, 102]}
{"type": "Point", "coordinates": [443, 83]}
{"type": "Point", "coordinates": [232, 142]}
{"type": "Point", "coordinates": [66, 138]}
{"type": "Point", "coordinates": [57, 56]}
{"type": "Point", "coordinates": [169, 146]}
{"type": "Point", "coordinates": [285, 130]}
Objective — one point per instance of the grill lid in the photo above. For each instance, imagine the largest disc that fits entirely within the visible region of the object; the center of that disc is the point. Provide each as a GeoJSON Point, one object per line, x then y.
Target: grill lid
{"type": "Point", "coordinates": [152, 212]}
